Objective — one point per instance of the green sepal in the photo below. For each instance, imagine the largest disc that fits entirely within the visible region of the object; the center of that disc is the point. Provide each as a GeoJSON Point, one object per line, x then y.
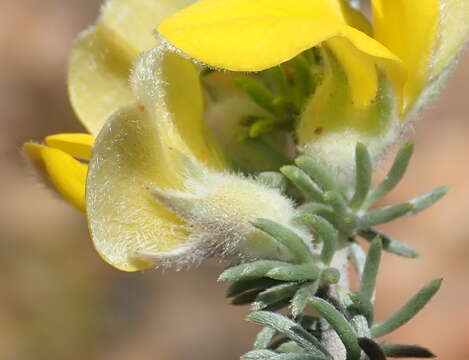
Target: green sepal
{"type": "Point", "coordinates": [302, 182]}
{"type": "Point", "coordinates": [264, 338]}
{"type": "Point", "coordinates": [303, 272]}
{"type": "Point", "coordinates": [344, 219]}
{"type": "Point", "coordinates": [337, 201]}
{"type": "Point", "coordinates": [361, 306]}
{"type": "Point", "coordinates": [363, 172]}
{"type": "Point", "coordinates": [427, 199]}
{"type": "Point", "coordinates": [303, 79]}
{"type": "Point", "coordinates": [280, 305]}
{"type": "Point", "coordinates": [406, 351]}
{"type": "Point", "coordinates": [302, 296]}
{"type": "Point", "coordinates": [330, 276]}
{"type": "Point", "coordinates": [341, 325]}
{"type": "Point", "coordinates": [239, 287]}
{"type": "Point", "coordinates": [289, 347]}
{"type": "Point", "coordinates": [286, 237]}
{"type": "Point", "coordinates": [279, 80]}
{"type": "Point", "coordinates": [394, 175]}
{"type": "Point", "coordinates": [248, 271]}
{"type": "Point", "coordinates": [326, 232]}
{"type": "Point", "coordinates": [297, 356]}
{"type": "Point", "coordinates": [273, 180]}
{"type": "Point", "coordinates": [274, 294]}
{"type": "Point", "coordinates": [408, 311]}
{"type": "Point", "coordinates": [385, 214]}
{"type": "Point", "coordinates": [317, 172]}
{"type": "Point", "coordinates": [262, 126]}
{"type": "Point", "coordinates": [315, 208]}
{"type": "Point", "coordinates": [262, 354]}
{"type": "Point", "coordinates": [257, 92]}
{"type": "Point", "coordinates": [411, 207]}
{"type": "Point", "coordinates": [292, 330]}
{"type": "Point", "coordinates": [391, 245]}
{"type": "Point", "coordinates": [246, 298]}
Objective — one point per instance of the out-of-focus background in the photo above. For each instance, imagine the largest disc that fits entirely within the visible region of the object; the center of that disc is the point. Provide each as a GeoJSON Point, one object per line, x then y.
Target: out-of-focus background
{"type": "Point", "coordinates": [59, 300]}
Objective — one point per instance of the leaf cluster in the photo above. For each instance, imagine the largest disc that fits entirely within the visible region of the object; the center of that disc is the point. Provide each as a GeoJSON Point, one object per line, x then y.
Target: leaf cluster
{"type": "Point", "coordinates": [310, 282]}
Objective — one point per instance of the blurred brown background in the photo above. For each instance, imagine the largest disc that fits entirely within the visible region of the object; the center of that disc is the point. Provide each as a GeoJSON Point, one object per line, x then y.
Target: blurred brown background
{"type": "Point", "coordinates": [58, 300]}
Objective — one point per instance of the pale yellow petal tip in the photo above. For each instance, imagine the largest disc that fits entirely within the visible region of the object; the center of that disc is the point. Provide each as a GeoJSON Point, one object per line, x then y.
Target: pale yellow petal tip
{"type": "Point", "coordinates": [98, 71]}
{"type": "Point", "coordinates": [66, 174]}
{"type": "Point", "coordinates": [133, 263]}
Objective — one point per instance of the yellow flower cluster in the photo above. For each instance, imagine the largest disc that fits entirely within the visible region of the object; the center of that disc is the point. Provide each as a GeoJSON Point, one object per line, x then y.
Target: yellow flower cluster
{"type": "Point", "coordinates": [157, 184]}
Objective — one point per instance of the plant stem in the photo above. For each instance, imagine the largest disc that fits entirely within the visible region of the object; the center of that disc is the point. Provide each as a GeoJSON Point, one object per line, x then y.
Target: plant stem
{"type": "Point", "coordinates": [330, 338]}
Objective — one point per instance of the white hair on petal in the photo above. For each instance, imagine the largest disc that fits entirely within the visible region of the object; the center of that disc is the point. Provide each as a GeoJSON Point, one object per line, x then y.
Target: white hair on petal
{"type": "Point", "coordinates": [218, 210]}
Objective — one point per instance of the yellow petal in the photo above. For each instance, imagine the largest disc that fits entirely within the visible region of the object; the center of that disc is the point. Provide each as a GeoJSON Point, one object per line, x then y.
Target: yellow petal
{"type": "Point", "coordinates": [331, 126]}
{"type": "Point", "coordinates": [135, 20]}
{"type": "Point", "coordinates": [98, 76]}
{"type": "Point", "coordinates": [77, 145]}
{"type": "Point", "coordinates": [453, 33]}
{"type": "Point", "coordinates": [331, 108]}
{"type": "Point", "coordinates": [168, 87]}
{"type": "Point", "coordinates": [65, 173]}
{"type": "Point", "coordinates": [356, 65]}
{"type": "Point", "coordinates": [244, 35]}
{"type": "Point", "coordinates": [101, 59]}
{"type": "Point", "coordinates": [425, 34]}
{"type": "Point", "coordinates": [123, 217]}
{"type": "Point", "coordinates": [356, 19]}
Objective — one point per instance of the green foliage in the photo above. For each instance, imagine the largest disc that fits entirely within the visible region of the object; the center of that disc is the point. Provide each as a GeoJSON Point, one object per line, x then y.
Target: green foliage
{"type": "Point", "coordinates": [335, 218]}
{"type": "Point", "coordinates": [282, 92]}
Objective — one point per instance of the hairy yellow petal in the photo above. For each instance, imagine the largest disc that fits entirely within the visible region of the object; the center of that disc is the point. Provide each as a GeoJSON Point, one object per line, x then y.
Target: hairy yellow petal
{"type": "Point", "coordinates": [168, 87]}
{"type": "Point", "coordinates": [135, 20]}
{"type": "Point", "coordinates": [150, 144]}
{"type": "Point", "coordinates": [425, 34]}
{"type": "Point", "coordinates": [453, 33]}
{"type": "Point", "coordinates": [66, 174]}
{"type": "Point", "coordinates": [77, 145]}
{"type": "Point", "coordinates": [101, 59]}
{"type": "Point", "coordinates": [98, 75]}
{"type": "Point", "coordinates": [243, 35]}
{"type": "Point", "coordinates": [124, 219]}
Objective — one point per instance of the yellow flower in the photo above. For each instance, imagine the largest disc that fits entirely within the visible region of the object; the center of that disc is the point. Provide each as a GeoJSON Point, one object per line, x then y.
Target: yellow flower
{"type": "Point", "coordinates": [99, 68]}
{"type": "Point", "coordinates": [414, 37]}
{"type": "Point", "coordinates": [56, 163]}
{"type": "Point", "coordinates": [374, 78]}
{"type": "Point", "coordinates": [158, 189]}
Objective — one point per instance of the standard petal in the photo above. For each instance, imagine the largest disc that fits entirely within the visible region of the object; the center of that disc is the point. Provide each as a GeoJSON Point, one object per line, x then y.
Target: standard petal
{"type": "Point", "coordinates": [66, 174]}
{"type": "Point", "coordinates": [425, 34]}
{"type": "Point", "coordinates": [168, 87]}
{"type": "Point", "coordinates": [242, 35]}
{"type": "Point", "coordinates": [124, 219]}
{"type": "Point", "coordinates": [77, 145]}
{"type": "Point", "coordinates": [102, 57]}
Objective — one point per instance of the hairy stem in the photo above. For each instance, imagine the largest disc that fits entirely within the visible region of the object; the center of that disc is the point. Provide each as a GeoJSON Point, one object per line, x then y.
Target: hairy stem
{"type": "Point", "coordinates": [330, 339]}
